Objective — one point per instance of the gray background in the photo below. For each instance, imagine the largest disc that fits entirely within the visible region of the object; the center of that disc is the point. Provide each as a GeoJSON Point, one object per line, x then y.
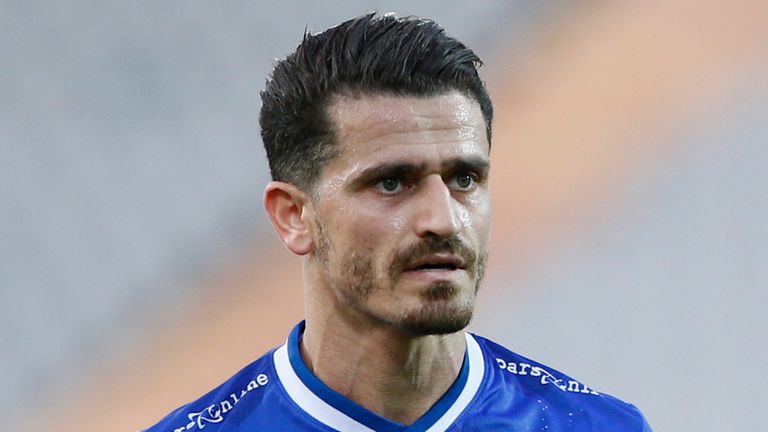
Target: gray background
{"type": "Point", "coordinates": [131, 164]}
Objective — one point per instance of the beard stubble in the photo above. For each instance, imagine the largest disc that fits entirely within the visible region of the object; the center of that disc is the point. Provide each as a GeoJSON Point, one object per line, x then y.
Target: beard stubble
{"type": "Point", "coordinates": [444, 307]}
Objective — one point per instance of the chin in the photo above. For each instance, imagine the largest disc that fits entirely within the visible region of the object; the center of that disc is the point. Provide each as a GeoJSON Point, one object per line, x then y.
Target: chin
{"type": "Point", "coordinates": [438, 318]}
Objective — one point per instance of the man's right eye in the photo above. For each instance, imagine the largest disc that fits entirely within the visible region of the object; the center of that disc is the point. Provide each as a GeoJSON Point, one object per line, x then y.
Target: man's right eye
{"type": "Point", "coordinates": [389, 185]}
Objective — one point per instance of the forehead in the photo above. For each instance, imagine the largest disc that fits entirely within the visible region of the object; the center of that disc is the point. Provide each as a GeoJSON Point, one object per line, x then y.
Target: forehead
{"type": "Point", "coordinates": [384, 124]}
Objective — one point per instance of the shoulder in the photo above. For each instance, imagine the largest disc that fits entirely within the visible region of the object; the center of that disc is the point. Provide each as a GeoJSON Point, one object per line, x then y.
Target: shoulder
{"type": "Point", "coordinates": [522, 381]}
{"type": "Point", "coordinates": [246, 388]}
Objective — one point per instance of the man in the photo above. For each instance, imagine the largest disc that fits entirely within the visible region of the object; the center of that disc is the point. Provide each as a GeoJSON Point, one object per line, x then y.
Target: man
{"type": "Point", "coordinates": [378, 136]}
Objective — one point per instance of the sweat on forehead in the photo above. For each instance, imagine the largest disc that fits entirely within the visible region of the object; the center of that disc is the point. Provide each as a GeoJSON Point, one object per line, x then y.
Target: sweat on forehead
{"type": "Point", "coordinates": [367, 116]}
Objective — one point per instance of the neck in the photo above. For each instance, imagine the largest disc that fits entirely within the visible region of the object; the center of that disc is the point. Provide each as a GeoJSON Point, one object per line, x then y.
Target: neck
{"type": "Point", "coordinates": [391, 373]}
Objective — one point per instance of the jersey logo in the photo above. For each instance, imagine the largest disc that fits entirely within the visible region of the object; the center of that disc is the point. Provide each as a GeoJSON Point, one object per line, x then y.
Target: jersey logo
{"type": "Point", "coordinates": [215, 412]}
{"type": "Point", "coordinates": [545, 377]}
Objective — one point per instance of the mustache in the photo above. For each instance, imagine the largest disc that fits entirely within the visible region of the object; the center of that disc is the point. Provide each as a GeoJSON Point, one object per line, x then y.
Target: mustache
{"type": "Point", "coordinates": [432, 245]}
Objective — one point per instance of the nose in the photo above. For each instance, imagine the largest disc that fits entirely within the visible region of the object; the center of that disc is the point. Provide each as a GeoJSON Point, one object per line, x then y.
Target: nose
{"type": "Point", "coordinates": [437, 213]}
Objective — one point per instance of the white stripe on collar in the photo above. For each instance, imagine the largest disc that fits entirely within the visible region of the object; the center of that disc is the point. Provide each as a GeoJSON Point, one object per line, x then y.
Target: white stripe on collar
{"type": "Point", "coordinates": [310, 402]}
{"type": "Point", "coordinates": [475, 378]}
{"type": "Point", "coordinates": [327, 414]}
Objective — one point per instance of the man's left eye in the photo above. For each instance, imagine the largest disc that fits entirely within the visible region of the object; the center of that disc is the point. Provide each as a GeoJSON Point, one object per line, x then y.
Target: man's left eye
{"type": "Point", "coordinates": [463, 181]}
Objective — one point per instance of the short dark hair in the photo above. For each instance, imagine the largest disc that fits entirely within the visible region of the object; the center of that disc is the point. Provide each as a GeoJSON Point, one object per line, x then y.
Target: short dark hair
{"type": "Point", "coordinates": [367, 55]}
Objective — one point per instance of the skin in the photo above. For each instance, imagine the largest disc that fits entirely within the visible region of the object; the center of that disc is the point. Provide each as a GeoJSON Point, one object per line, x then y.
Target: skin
{"type": "Point", "coordinates": [394, 240]}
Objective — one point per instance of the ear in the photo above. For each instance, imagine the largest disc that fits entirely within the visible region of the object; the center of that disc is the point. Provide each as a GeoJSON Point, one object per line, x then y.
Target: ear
{"type": "Point", "coordinates": [287, 207]}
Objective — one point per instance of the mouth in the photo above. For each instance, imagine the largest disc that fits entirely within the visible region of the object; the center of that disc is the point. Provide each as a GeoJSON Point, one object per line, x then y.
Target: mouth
{"type": "Point", "coordinates": [437, 263]}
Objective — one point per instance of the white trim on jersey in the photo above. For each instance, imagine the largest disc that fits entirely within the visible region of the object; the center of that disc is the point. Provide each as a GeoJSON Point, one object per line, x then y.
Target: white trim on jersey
{"type": "Point", "coordinates": [310, 402]}
{"type": "Point", "coordinates": [330, 416]}
{"type": "Point", "coordinates": [475, 378]}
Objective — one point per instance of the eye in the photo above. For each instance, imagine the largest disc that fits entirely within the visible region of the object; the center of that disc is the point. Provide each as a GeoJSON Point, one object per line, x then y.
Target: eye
{"type": "Point", "coordinates": [390, 185]}
{"type": "Point", "coordinates": [464, 181]}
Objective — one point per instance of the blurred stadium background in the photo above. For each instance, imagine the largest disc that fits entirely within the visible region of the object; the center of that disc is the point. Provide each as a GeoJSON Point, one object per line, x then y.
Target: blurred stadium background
{"type": "Point", "coordinates": [630, 237]}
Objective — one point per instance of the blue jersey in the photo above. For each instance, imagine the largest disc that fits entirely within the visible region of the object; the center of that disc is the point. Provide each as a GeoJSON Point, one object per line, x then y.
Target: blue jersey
{"type": "Point", "coordinates": [496, 390]}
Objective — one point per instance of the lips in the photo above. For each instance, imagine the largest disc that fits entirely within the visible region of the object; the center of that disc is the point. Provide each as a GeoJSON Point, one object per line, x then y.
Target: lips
{"type": "Point", "coordinates": [437, 262]}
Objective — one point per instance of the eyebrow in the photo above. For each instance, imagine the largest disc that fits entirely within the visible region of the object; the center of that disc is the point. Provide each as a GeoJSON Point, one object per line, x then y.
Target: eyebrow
{"type": "Point", "coordinates": [477, 164]}
{"type": "Point", "coordinates": [396, 168]}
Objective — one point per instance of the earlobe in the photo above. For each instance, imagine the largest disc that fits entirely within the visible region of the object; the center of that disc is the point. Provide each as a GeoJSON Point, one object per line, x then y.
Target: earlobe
{"type": "Point", "coordinates": [286, 206]}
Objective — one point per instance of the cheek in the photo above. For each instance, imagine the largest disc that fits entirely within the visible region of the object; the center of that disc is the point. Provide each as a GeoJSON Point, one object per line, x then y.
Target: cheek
{"type": "Point", "coordinates": [380, 221]}
{"type": "Point", "coordinates": [476, 214]}
{"type": "Point", "coordinates": [363, 230]}
{"type": "Point", "coordinates": [466, 217]}
{"type": "Point", "coordinates": [397, 223]}
{"type": "Point", "coordinates": [379, 239]}
{"type": "Point", "coordinates": [369, 232]}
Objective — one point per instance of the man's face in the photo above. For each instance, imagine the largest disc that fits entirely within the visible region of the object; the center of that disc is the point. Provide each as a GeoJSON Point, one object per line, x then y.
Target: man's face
{"type": "Point", "coordinates": [402, 214]}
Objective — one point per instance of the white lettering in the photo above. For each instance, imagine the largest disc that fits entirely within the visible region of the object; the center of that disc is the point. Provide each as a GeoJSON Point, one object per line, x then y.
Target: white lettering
{"type": "Point", "coordinates": [252, 385]}
{"type": "Point", "coordinates": [225, 406]}
{"type": "Point", "coordinates": [573, 386]}
{"type": "Point", "coordinates": [523, 367]}
{"type": "Point", "coordinates": [215, 413]}
{"type": "Point", "coordinates": [262, 379]}
{"type": "Point", "coordinates": [526, 369]}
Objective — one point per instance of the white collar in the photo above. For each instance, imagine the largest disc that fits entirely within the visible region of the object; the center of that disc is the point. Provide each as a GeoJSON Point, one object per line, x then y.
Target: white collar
{"type": "Point", "coordinates": [334, 417]}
